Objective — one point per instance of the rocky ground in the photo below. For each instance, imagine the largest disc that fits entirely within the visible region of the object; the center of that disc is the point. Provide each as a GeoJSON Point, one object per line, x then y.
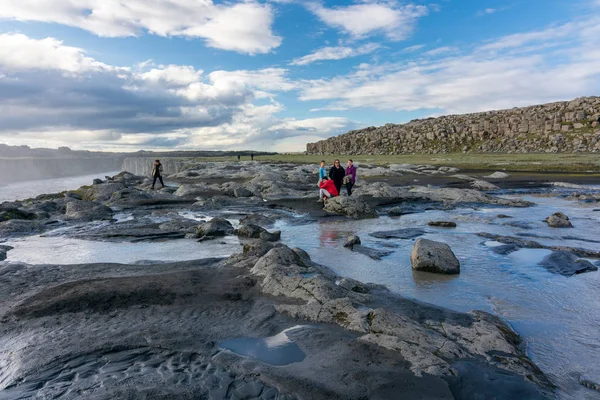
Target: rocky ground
{"type": "Point", "coordinates": [116, 331]}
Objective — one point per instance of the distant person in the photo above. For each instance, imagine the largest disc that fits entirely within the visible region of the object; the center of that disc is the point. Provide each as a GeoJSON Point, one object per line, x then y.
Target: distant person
{"type": "Point", "coordinates": [337, 173]}
{"type": "Point", "coordinates": [322, 171]}
{"type": "Point", "coordinates": [350, 178]}
{"type": "Point", "coordinates": [157, 170]}
{"type": "Point", "coordinates": [239, 157]}
{"type": "Point", "coordinates": [252, 156]}
{"type": "Point", "coordinates": [327, 190]}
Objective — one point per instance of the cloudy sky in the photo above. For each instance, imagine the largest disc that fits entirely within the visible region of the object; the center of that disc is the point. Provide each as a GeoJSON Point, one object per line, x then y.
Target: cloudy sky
{"type": "Point", "coordinates": [274, 74]}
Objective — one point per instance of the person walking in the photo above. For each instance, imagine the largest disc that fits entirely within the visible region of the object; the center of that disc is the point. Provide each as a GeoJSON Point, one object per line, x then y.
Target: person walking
{"type": "Point", "coordinates": [239, 157]}
{"type": "Point", "coordinates": [157, 170]}
{"type": "Point", "coordinates": [327, 190]}
{"type": "Point", "coordinates": [252, 156]}
{"type": "Point", "coordinates": [337, 173]}
{"type": "Point", "coordinates": [350, 178]}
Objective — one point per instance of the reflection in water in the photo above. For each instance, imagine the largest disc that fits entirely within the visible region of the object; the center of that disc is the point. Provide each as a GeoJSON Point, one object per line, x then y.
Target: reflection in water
{"type": "Point", "coordinates": [274, 350]}
{"type": "Point", "coordinates": [30, 189]}
{"type": "Point", "coordinates": [558, 317]}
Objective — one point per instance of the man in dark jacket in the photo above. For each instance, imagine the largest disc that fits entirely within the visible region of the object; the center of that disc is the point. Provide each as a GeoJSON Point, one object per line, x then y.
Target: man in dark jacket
{"type": "Point", "coordinates": [157, 170]}
{"type": "Point", "coordinates": [337, 173]}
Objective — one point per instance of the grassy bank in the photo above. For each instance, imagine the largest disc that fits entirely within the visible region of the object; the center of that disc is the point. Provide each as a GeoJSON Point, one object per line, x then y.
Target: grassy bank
{"type": "Point", "coordinates": [551, 163]}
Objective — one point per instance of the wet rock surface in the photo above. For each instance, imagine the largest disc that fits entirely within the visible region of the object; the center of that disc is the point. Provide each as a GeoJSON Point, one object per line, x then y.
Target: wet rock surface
{"type": "Point", "coordinates": [407, 233]}
{"type": "Point", "coordinates": [436, 257]}
{"type": "Point", "coordinates": [565, 263]}
{"type": "Point", "coordinates": [442, 224]}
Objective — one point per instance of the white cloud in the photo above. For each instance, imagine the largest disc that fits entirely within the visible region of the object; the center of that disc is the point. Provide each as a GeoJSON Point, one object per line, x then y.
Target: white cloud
{"type": "Point", "coordinates": [244, 27]}
{"type": "Point", "coordinates": [487, 11]}
{"type": "Point", "coordinates": [336, 53]}
{"type": "Point", "coordinates": [397, 22]}
{"type": "Point", "coordinates": [557, 63]}
{"type": "Point", "coordinates": [53, 94]}
{"type": "Point", "coordinates": [19, 52]}
{"type": "Point", "coordinates": [441, 50]}
{"type": "Point", "coordinates": [414, 48]}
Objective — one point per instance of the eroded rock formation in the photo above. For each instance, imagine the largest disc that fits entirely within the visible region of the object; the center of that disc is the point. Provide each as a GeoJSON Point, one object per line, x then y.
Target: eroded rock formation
{"type": "Point", "coordinates": [569, 126]}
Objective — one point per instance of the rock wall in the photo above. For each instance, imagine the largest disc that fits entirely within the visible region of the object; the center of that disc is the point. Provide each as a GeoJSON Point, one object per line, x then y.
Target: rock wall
{"type": "Point", "coordinates": [572, 126]}
{"type": "Point", "coordinates": [23, 169]}
{"type": "Point", "coordinates": [142, 166]}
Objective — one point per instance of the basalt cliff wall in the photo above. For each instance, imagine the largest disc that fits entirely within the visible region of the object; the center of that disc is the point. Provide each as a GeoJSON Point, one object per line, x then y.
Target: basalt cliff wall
{"type": "Point", "coordinates": [570, 126]}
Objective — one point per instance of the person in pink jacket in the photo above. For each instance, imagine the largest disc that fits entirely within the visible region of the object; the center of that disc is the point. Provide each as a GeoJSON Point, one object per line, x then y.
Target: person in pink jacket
{"type": "Point", "coordinates": [327, 190]}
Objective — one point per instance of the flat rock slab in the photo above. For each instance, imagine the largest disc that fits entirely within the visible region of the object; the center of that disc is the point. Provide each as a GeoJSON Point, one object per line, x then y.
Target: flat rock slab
{"type": "Point", "coordinates": [567, 264]}
{"type": "Point", "coordinates": [375, 254]}
{"type": "Point", "coordinates": [408, 233]}
{"type": "Point", "coordinates": [443, 224]}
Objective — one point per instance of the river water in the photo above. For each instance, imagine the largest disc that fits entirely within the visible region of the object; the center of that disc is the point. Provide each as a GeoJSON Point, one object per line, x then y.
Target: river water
{"type": "Point", "coordinates": [558, 317]}
{"type": "Point", "coordinates": [30, 189]}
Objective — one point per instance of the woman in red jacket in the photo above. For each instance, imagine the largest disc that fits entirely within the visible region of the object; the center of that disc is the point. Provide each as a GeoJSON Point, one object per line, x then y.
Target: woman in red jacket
{"type": "Point", "coordinates": [327, 190]}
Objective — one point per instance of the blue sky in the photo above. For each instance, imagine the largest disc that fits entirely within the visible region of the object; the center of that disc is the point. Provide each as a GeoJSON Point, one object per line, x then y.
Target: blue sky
{"type": "Point", "coordinates": [274, 74]}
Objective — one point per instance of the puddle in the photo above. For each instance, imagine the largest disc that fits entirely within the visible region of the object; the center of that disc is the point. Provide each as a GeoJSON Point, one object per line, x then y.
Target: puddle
{"type": "Point", "coordinates": [61, 250]}
{"type": "Point", "coordinates": [274, 350]}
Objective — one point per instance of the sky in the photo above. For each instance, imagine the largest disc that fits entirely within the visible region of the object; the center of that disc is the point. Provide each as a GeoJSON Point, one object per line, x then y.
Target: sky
{"type": "Point", "coordinates": [126, 75]}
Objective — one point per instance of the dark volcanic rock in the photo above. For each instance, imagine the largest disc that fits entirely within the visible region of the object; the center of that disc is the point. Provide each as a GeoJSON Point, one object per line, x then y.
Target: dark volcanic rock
{"type": "Point", "coordinates": [8, 213]}
{"type": "Point", "coordinates": [408, 233]}
{"type": "Point", "coordinates": [351, 241]}
{"type": "Point", "coordinates": [214, 228]}
{"type": "Point", "coordinates": [87, 210]}
{"type": "Point", "coordinates": [251, 231]}
{"type": "Point", "coordinates": [559, 220]}
{"type": "Point", "coordinates": [505, 249]}
{"type": "Point", "coordinates": [375, 254]}
{"type": "Point", "coordinates": [242, 192]}
{"type": "Point", "coordinates": [257, 219]}
{"type": "Point", "coordinates": [396, 211]}
{"type": "Point", "coordinates": [443, 224]}
{"type": "Point", "coordinates": [567, 264]}
{"type": "Point", "coordinates": [3, 251]}
{"type": "Point", "coordinates": [436, 257]}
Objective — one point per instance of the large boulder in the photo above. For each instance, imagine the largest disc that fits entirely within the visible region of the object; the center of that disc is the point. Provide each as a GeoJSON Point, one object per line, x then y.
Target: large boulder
{"type": "Point", "coordinates": [566, 263]}
{"type": "Point", "coordinates": [559, 220]}
{"type": "Point", "coordinates": [251, 231]}
{"type": "Point", "coordinates": [87, 210]}
{"type": "Point", "coordinates": [351, 241]}
{"type": "Point", "coordinates": [354, 207]}
{"type": "Point", "coordinates": [436, 257]}
{"type": "Point", "coordinates": [242, 192]}
{"type": "Point", "coordinates": [216, 227]}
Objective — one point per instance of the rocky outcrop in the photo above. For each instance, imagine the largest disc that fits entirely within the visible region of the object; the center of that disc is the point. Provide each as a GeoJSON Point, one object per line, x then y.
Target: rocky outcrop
{"type": "Point", "coordinates": [87, 210]}
{"type": "Point", "coordinates": [569, 126]}
{"type": "Point", "coordinates": [252, 231]}
{"type": "Point", "coordinates": [214, 228]}
{"type": "Point", "coordinates": [354, 207]}
{"type": "Point", "coordinates": [431, 256]}
{"type": "Point", "coordinates": [3, 251]}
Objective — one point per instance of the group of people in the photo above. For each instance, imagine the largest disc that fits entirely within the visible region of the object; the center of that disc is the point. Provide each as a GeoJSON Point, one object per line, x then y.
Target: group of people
{"type": "Point", "coordinates": [330, 184]}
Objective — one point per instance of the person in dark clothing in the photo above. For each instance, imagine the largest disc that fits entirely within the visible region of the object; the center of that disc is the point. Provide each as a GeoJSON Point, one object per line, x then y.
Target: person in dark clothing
{"type": "Point", "coordinates": [157, 170]}
{"type": "Point", "coordinates": [239, 157]}
{"type": "Point", "coordinates": [350, 177]}
{"type": "Point", "coordinates": [337, 173]}
{"type": "Point", "coordinates": [252, 156]}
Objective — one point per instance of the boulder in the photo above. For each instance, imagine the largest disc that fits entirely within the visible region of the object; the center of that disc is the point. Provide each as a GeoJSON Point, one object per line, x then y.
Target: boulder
{"type": "Point", "coordinates": [566, 263]}
{"type": "Point", "coordinates": [559, 220]}
{"type": "Point", "coordinates": [257, 219]}
{"type": "Point", "coordinates": [251, 231]}
{"type": "Point", "coordinates": [351, 241]}
{"type": "Point", "coordinates": [18, 227]}
{"type": "Point", "coordinates": [87, 210]}
{"type": "Point", "coordinates": [395, 211]}
{"type": "Point", "coordinates": [103, 192]}
{"type": "Point", "coordinates": [216, 227]}
{"type": "Point", "coordinates": [242, 192]}
{"type": "Point", "coordinates": [351, 206]}
{"type": "Point", "coordinates": [436, 257]}
{"type": "Point", "coordinates": [97, 181]}
{"type": "Point", "coordinates": [498, 175]}
{"type": "Point", "coordinates": [443, 224]}
{"type": "Point", "coordinates": [483, 185]}
{"type": "Point", "coordinates": [73, 195]}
